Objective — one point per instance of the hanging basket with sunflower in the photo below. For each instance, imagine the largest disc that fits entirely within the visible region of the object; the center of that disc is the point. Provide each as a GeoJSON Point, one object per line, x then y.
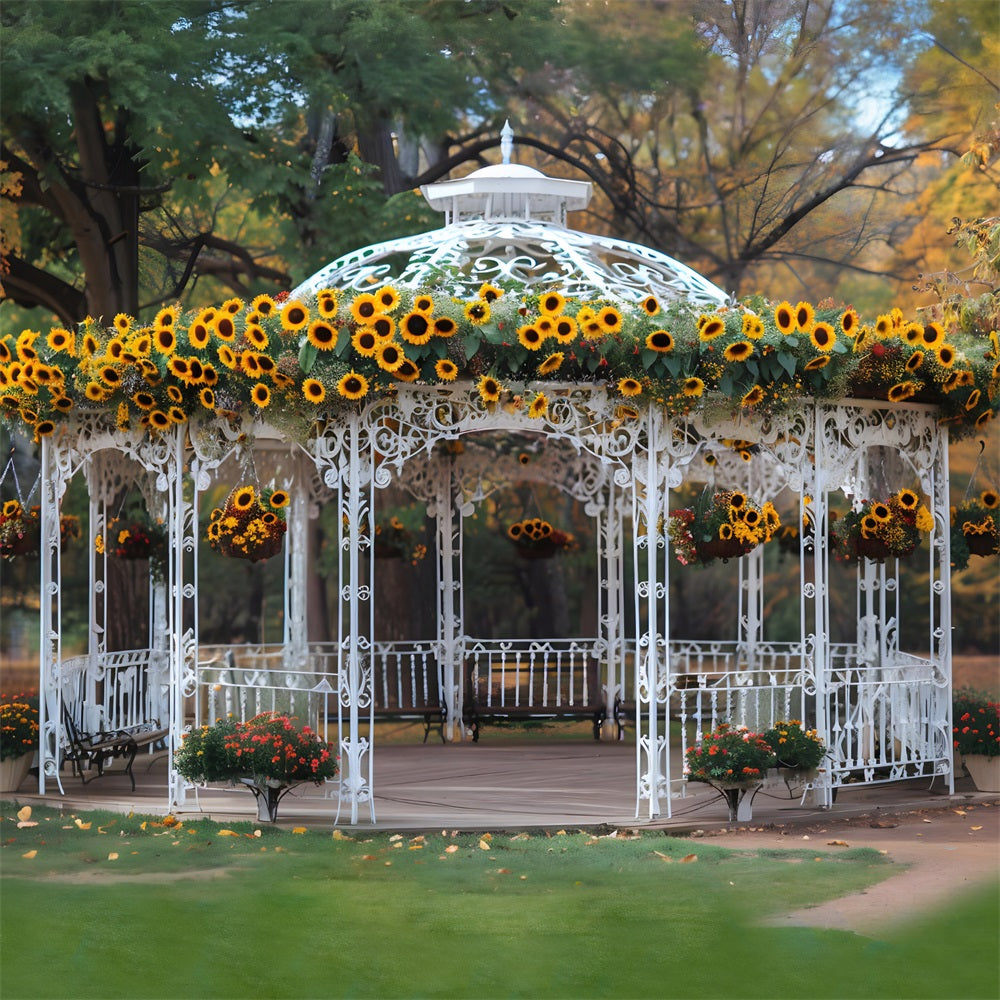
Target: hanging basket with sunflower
{"type": "Point", "coordinates": [249, 525]}
{"type": "Point", "coordinates": [536, 538]}
{"type": "Point", "coordinates": [722, 525]}
{"type": "Point", "coordinates": [975, 528]}
{"type": "Point", "coordinates": [21, 530]}
{"type": "Point", "coordinates": [882, 529]}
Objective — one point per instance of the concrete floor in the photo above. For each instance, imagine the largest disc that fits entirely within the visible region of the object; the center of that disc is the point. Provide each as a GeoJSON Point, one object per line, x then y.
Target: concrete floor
{"type": "Point", "coordinates": [506, 785]}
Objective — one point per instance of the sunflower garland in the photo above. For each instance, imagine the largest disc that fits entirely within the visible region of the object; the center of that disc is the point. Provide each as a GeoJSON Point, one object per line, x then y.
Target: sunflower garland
{"type": "Point", "coordinates": [291, 357]}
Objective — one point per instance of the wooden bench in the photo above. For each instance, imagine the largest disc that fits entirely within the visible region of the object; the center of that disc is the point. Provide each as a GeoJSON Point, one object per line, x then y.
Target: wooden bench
{"type": "Point", "coordinates": [518, 704]}
{"type": "Point", "coordinates": [85, 750]}
{"type": "Point", "coordinates": [410, 691]}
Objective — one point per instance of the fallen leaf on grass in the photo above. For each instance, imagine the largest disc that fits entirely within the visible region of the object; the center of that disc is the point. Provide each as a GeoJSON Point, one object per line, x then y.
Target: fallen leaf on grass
{"type": "Point", "coordinates": [388, 864]}
{"type": "Point", "coordinates": [925, 821]}
{"type": "Point", "coordinates": [837, 843]}
{"type": "Point", "coordinates": [298, 829]}
{"type": "Point", "coordinates": [503, 871]}
{"type": "Point", "coordinates": [394, 837]}
{"type": "Point", "coordinates": [520, 836]}
{"type": "Point", "coordinates": [420, 839]}
{"type": "Point", "coordinates": [368, 857]}
{"type": "Point", "coordinates": [170, 820]}
{"type": "Point", "coordinates": [971, 827]}
{"type": "Point", "coordinates": [29, 854]}
{"type": "Point", "coordinates": [688, 858]}
{"type": "Point", "coordinates": [26, 822]}
{"type": "Point", "coordinates": [24, 813]}
{"type": "Point", "coordinates": [451, 849]}
{"type": "Point", "coordinates": [416, 847]}
{"type": "Point", "coordinates": [958, 812]}
{"type": "Point", "coordinates": [228, 833]}
{"type": "Point", "coordinates": [256, 833]}
{"type": "Point", "coordinates": [337, 835]}
{"type": "Point", "coordinates": [113, 856]}
{"type": "Point", "coordinates": [664, 857]}
{"type": "Point", "coordinates": [484, 844]}
{"type": "Point", "coordinates": [81, 825]}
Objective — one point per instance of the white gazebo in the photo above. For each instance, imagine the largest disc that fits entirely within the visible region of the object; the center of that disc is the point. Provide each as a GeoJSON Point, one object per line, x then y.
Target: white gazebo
{"type": "Point", "coordinates": [883, 710]}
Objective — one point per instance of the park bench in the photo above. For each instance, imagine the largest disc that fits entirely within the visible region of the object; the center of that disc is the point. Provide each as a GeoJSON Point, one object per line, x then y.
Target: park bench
{"type": "Point", "coordinates": [531, 689]}
{"type": "Point", "coordinates": [86, 750]}
{"type": "Point", "coordinates": [407, 685]}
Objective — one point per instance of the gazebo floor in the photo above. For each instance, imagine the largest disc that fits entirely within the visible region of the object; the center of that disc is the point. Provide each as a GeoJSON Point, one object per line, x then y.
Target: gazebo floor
{"type": "Point", "coordinates": [505, 786]}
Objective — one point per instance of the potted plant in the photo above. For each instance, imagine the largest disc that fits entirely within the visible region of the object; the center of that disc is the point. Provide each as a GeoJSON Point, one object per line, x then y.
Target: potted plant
{"type": "Point", "coordinates": [249, 525]}
{"type": "Point", "coordinates": [722, 525]}
{"type": "Point", "coordinates": [976, 733]}
{"type": "Point", "coordinates": [975, 528]}
{"type": "Point", "coordinates": [268, 754]}
{"type": "Point", "coordinates": [18, 739]}
{"type": "Point", "coordinates": [733, 760]}
{"type": "Point", "coordinates": [21, 530]}
{"type": "Point", "coordinates": [536, 538]}
{"type": "Point", "coordinates": [397, 535]}
{"type": "Point", "coordinates": [882, 529]}
{"type": "Point", "coordinates": [798, 752]}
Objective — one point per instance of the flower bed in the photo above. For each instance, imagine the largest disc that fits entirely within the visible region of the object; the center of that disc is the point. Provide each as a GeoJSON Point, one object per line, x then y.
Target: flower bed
{"type": "Point", "coordinates": [18, 725]}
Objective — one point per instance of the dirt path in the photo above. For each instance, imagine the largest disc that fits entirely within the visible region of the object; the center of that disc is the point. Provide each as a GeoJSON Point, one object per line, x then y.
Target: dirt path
{"type": "Point", "coordinates": [944, 851]}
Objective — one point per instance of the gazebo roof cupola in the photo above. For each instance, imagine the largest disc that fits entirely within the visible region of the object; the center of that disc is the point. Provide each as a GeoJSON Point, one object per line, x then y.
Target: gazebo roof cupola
{"type": "Point", "coordinates": [507, 222]}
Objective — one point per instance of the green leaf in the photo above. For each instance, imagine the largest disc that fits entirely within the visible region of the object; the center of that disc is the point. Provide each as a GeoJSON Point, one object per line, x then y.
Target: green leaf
{"type": "Point", "coordinates": [471, 344]}
{"type": "Point", "coordinates": [307, 357]}
{"type": "Point", "coordinates": [648, 357]}
{"type": "Point", "coordinates": [787, 361]}
{"type": "Point", "coordinates": [343, 341]}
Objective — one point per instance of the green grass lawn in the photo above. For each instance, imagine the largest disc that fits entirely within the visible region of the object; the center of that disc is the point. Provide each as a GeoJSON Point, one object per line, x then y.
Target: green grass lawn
{"type": "Point", "coordinates": [128, 907]}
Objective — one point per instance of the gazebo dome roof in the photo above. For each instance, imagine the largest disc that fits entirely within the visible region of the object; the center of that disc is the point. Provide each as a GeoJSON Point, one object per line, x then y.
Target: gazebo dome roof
{"type": "Point", "coordinates": [508, 222]}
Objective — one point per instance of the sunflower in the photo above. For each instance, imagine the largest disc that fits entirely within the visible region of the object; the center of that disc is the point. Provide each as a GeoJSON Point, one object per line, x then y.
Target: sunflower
{"type": "Point", "coordinates": [407, 371]}
{"type": "Point", "coordinates": [565, 329]}
{"type": "Point", "coordinates": [753, 397]}
{"type": "Point", "coordinates": [630, 387]}
{"type": "Point", "coordinates": [751, 517]}
{"type": "Point", "coordinates": [551, 364]}
{"type": "Point", "coordinates": [914, 361]}
{"type": "Point", "coordinates": [415, 328]}
{"type": "Point", "coordinates": [62, 403]}
{"type": "Point", "coordinates": [753, 327]}
{"type": "Point", "coordinates": [327, 304]}
{"type": "Point", "coordinates": [423, 304]}
{"type": "Point", "coordinates": [823, 336]}
{"type": "Point", "coordinates": [530, 337]}
{"type": "Point", "coordinates": [551, 303]}
{"type": "Point", "coordinates": [881, 513]}
{"type": "Point", "coordinates": [913, 334]}
{"type": "Point", "coordinates": [539, 406]}
{"type": "Point", "coordinates": [868, 526]}
{"type": "Point", "coordinates": [264, 305]}
{"type": "Point", "coordinates": [990, 499]}
{"type": "Point", "coordinates": [249, 364]}
{"type": "Point", "coordinates": [260, 395]}
{"type": "Point", "coordinates": [815, 364]}
{"type": "Point", "coordinates": [364, 307]}
{"type": "Point", "coordinates": [174, 394]}
{"type": "Point", "coordinates": [725, 532]}
{"type": "Point", "coordinates": [279, 499]}
{"type": "Point", "coordinates": [89, 346]}
{"type": "Point", "coordinates": [164, 340]}
{"type": "Point", "coordinates": [176, 415]}
{"type": "Point", "coordinates": [365, 341]}
{"type": "Point", "coordinates": [804, 317]}
{"type": "Point", "coordinates": [711, 329]}
{"type": "Point", "coordinates": [945, 355]}
{"type": "Point", "coordinates": [908, 500]}
{"type": "Point", "coordinates": [649, 305]}
{"type": "Point", "coordinates": [227, 357]}
{"type": "Point", "coordinates": [973, 401]}
{"type": "Point", "coordinates": [849, 322]}
{"type": "Point", "coordinates": [96, 393]}
{"type": "Point", "coordinates": [737, 500]}
{"type": "Point", "coordinates": [693, 386]}
{"type": "Point", "coordinates": [389, 356]}
{"type": "Point", "coordinates": [784, 318]}
{"type": "Point", "coordinates": [207, 398]}
{"type": "Point", "coordinates": [446, 370]}
{"type": "Point", "coordinates": [322, 335]}
{"type": "Point", "coordinates": [353, 386]}
{"type": "Point", "coordinates": [225, 328]}
{"type": "Point", "coordinates": [884, 327]}
{"type": "Point", "coordinates": [256, 335]}
{"type": "Point", "coordinates": [489, 389]}
{"type": "Point", "coordinates": [610, 319]}
{"type": "Point", "coordinates": [444, 326]}
{"type": "Point", "coordinates": [387, 298]}
{"type": "Point", "coordinates": [933, 334]}
{"type": "Point", "coordinates": [901, 391]}
{"type": "Point", "coordinates": [281, 379]}
{"type": "Point", "coordinates": [179, 367]}
{"type": "Point", "coordinates": [477, 312]}
{"type": "Point", "coordinates": [660, 341]}
{"type": "Point", "coordinates": [740, 350]}
{"type": "Point", "coordinates": [167, 316]}
{"type": "Point", "coordinates": [313, 390]}
{"type": "Point", "coordinates": [60, 340]}
{"type": "Point", "coordinates": [110, 376]}
{"type": "Point", "coordinates": [158, 420]}
{"type": "Point", "coordinates": [243, 498]}
{"type": "Point", "coordinates": [489, 293]}
{"type": "Point", "coordinates": [123, 323]}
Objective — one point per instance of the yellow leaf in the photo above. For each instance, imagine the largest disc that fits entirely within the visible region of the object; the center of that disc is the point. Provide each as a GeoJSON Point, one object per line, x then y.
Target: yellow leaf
{"type": "Point", "coordinates": [416, 847]}
{"type": "Point", "coordinates": [25, 823]}
{"type": "Point", "coordinates": [976, 828]}
{"type": "Point", "coordinates": [81, 825]}
{"type": "Point", "coordinates": [228, 833]}
{"type": "Point", "coordinates": [113, 856]}
{"type": "Point", "coordinates": [388, 864]}
{"type": "Point", "coordinates": [24, 813]}
{"type": "Point", "coordinates": [257, 833]}
{"type": "Point", "coordinates": [958, 812]}
{"type": "Point", "coordinates": [484, 845]}
{"type": "Point", "coordinates": [279, 850]}
{"type": "Point", "coordinates": [337, 835]}
{"type": "Point", "coordinates": [392, 839]}
{"type": "Point", "coordinates": [142, 825]}
{"type": "Point", "coordinates": [663, 857]}
{"type": "Point", "coordinates": [689, 858]}
{"type": "Point", "coordinates": [29, 854]}
{"type": "Point", "coordinates": [418, 840]}
{"type": "Point", "coordinates": [368, 857]}
{"type": "Point", "coordinates": [503, 871]}
{"type": "Point", "coordinates": [837, 843]}
{"type": "Point", "coordinates": [560, 833]}
{"type": "Point", "coordinates": [451, 849]}
{"type": "Point", "coordinates": [487, 837]}
{"type": "Point", "coordinates": [298, 829]}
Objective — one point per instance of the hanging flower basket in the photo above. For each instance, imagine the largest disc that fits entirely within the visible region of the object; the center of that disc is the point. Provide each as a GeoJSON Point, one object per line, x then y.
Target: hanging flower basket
{"type": "Point", "coordinates": [21, 530]}
{"type": "Point", "coordinates": [249, 525]}
{"type": "Point", "coordinates": [535, 538]}
{"type": "Point", "coordinates": [882, 529]}
{"type": "Point", "coordinates": [723, 525]}
{"type": "Point", "coordinates": [975, 529]}
{"type": "Point", "coordinates": [396, 539]}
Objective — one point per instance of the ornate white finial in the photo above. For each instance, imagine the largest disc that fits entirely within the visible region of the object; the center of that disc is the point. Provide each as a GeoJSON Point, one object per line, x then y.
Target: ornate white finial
{"type": "Point", "coordinates": [506, 141]}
